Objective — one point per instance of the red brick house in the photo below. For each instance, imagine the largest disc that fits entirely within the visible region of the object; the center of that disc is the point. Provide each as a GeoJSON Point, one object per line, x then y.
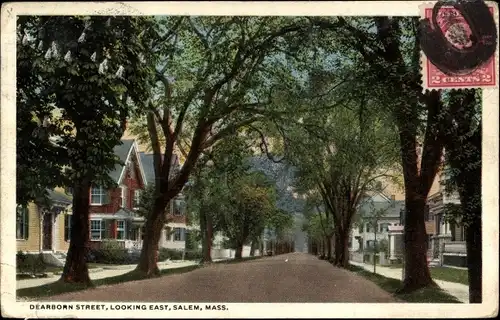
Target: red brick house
{"type": "Point", "coordinates": [112, 213]}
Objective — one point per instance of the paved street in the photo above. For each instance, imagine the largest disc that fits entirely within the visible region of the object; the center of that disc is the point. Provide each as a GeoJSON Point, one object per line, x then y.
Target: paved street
{"type": "Point", "coordinates": [303, 278]}
{"type": "Point", "coordinates": [458, 290]}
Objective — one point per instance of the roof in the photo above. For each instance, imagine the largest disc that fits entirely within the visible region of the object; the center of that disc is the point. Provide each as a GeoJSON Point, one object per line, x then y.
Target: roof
{"type": "Point", "coordinates": [122, 151]}
{"type": "Point", "coordinates": [148, 166]}
{"type": "Point", "coordinates": [393, 208]}
{"type": "Point", "coordinates": [60, 197]}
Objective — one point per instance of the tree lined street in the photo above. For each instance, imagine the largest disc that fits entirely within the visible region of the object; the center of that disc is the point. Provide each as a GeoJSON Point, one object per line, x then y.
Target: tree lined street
{"type": "Point", "coordinates": [273, 279]}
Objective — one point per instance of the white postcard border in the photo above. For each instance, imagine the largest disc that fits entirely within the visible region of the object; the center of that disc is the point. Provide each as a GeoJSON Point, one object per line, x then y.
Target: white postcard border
{"type": "Point", "coordinates": [12, 308]}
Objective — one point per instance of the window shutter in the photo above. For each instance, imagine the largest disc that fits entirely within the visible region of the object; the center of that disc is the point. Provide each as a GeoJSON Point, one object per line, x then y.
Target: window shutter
{"type": "Point", "coordinates": [129, 229]}
{"type": "Point", "coordinates": [109, 229]}
{"type": "Point", "coordinates": [66, 221]}
{"type": "Point", "coordinates": [105, 197]}
{"type": "Point", "coordinates": [26, 223]}
{"type": "Point", "coordinates": [125, 230]}
{"type": "Point", "coordinates": [183, 234]}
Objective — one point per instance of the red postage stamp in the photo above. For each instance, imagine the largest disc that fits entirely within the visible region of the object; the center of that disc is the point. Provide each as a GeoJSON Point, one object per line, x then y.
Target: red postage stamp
{"type": "Point", "coordinates": [457, 32]}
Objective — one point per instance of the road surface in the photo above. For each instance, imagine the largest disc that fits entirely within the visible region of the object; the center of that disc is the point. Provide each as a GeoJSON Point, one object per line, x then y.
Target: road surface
{"type": "Point", "coordinates": [303, 278]}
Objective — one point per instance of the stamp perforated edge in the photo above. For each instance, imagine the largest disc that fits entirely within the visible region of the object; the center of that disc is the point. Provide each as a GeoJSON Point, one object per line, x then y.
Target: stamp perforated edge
{"type": "Point", "coordinates": [423, 58]}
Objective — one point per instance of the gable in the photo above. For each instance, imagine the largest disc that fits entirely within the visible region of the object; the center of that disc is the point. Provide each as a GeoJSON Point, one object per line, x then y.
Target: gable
{"type": "Point", "coordinates": [122, 151]}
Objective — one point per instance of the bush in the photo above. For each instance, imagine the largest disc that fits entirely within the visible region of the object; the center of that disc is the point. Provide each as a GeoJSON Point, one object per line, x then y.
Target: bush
{"type": "Point", "coordinates": [30, 263]}
{"type": "Point", "coordinates": [193, 255]}
{"type": "Point", "coordinates": [171, 254]}
{"type": "Point", "coordinates": [111, 252]}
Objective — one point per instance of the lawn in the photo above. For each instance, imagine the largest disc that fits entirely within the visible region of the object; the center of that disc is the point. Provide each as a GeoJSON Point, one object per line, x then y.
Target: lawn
{"type": "Point", "coordinates": [450, 274]}
{"type": "Point", "coordinates": [426, 295]}
{"type": "Point", "coordinates": [443, 273]}
{"type": "Point", "coordinates": [59, 270]}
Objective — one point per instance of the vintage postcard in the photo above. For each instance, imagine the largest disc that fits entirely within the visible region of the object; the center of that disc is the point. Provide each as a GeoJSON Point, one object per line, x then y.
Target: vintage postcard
{"type": "Point", "coordinates": [249, 159]}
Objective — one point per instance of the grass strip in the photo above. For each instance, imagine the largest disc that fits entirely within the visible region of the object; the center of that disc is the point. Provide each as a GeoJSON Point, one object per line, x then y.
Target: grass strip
{"type": "Point", "coordinates": [59, 287]}
{"type": "Point", "coordinates": [424, 295]}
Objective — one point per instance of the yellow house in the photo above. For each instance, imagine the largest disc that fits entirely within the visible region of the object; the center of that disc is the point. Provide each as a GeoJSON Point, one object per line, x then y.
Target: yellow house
{"type": "Point", "coordinates": [45, 230]}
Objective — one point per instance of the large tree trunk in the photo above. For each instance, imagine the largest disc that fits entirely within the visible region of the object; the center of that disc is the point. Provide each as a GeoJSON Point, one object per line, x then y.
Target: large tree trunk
{"type": "Point", "coordinates": [75, 268]}
{"type": "Point", "coordinates": [206, 236]}
{"type": "Point", "coordinates": [475, 261]}
{"type": "Point", "coordinates": [328, 243]}
{"type": "Point", "coordinates": [148, 263]}
{"type": "Point", "coordinates": [341, 248]}
{"type": "Point", "coordinates": [253, 247]}
{"type": "Point", "coordinates": [239, 252]}
{"type": "Point", "coordinates": [463, 147]}
{"type": "Point", "coordinates": [417, 274]}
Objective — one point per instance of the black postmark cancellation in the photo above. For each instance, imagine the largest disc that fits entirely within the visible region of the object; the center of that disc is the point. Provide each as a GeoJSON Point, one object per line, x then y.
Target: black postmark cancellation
{"type": "Point", "coordinates": [459, 37]}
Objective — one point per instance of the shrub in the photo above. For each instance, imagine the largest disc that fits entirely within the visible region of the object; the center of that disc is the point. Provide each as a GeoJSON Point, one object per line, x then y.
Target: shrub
{"type": "Point", "coordinates": [30, 263]}
{"type": "Point", "coordinates": [172, 254]}
{"type": "Point", "coordinates": [113, 252]}
{"type": "Point", "coordinates": [193, 255]}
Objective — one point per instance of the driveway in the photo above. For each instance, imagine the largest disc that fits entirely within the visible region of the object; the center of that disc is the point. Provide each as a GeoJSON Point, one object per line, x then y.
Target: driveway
{"type": "Point", "coordinates": [302, 278]}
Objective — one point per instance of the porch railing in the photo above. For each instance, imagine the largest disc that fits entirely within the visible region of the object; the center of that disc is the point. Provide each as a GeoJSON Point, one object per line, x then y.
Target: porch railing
{"type": "Point", "coordinates": [133, 244]}
{"type": "Point", "coordinates": [455, 247]}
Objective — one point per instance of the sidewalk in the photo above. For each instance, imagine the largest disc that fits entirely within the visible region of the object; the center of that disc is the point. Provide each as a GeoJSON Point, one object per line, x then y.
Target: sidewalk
{"type": "Point", "coordinates": [106, 272]}
{"type": "Point", "coordinates": [458, 290]}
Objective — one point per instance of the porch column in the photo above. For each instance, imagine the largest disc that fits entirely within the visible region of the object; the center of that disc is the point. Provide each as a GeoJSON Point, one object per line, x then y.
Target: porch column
{"type": "Point", "coordinates": [55, 230]}
{"type": "Point", "coordinates": [391, 247]}
{"type": "Point", "coordinates": [41, 213]}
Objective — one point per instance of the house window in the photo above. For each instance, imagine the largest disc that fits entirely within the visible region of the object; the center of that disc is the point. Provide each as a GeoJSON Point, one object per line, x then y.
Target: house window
{"type": "Point", "coordinates": [177, 234]}
{"type": "Point", "coordinates": [384, 227]}
{"type": "Point", "coordinates": [67, 227]}
{"type": "Point", "coordinates": [137, 198]}
{"type": "Point", "coordinates": [120, 229]}
{"type": "Point", "coordinates": [370, 244]}
{"type": "Point", "coordinates": [97, 196]}
{"type": "Point", "coordinates": [97, 228]}
{"type": "Point", "coordinates": [143, 232]}
{"type": "Point", "coordinates": [22, 223]}
{"type": "Point", "coordinates": [369, 227]}
{"type": "Point", "coordinates": [361, 228]}
{"type": "Point", "coordinates": [124, 196]}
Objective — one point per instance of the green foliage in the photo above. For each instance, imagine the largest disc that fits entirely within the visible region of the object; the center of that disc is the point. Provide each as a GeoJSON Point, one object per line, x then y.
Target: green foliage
{"type": "Point", "coordinates": [193, 238]}
{"type": "Point", "coordinates": [31, 264]}
{"type": "Point", "coordinates": [78, 80]}
{"type": "Point", "coordinates": [146, 201]}
{"type": "Point", "coordinates": [171, 254]}
{"type": "Point", "coordinates": [111, 252]}
{"type": "Point", "coordinates": [248, 208]}
{"type": "Point", "coordinates": [463, 142]}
